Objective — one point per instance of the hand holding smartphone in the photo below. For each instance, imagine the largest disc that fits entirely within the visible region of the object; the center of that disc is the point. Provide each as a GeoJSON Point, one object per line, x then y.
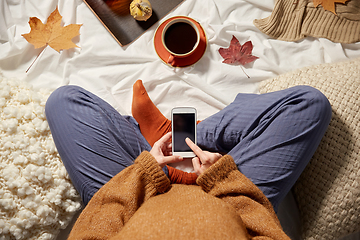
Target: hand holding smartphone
{"type": "Point", "coordinates": [183, 120]}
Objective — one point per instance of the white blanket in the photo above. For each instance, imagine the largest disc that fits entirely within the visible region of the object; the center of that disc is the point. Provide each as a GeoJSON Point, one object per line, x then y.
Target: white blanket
{"type": "Point", "coordinates": [109, 70]}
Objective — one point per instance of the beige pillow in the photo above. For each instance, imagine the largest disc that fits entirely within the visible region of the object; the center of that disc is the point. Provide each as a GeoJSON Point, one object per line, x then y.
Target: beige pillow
{"type": "Point", "coordinates": [292, 20]}
{"type": "Point", "coordinates": [328, 191]}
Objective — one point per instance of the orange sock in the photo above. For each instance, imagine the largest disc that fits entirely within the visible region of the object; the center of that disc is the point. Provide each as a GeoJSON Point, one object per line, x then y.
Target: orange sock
{"type": "Point", "coordinates": [153, 124]}
{"type": "Point", "coordinates": [181, 177]}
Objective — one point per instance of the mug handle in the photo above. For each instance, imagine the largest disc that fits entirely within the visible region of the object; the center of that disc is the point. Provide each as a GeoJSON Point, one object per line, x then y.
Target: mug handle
{"type": "Point", "coordinates": [171, 60]}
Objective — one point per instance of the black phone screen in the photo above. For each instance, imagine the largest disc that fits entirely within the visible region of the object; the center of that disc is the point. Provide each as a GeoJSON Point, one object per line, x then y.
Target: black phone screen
{"type": "Point", "coordinates": [184, 126]}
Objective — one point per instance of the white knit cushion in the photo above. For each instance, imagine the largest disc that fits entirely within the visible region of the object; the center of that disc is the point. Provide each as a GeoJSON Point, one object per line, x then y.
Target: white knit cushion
{"type": "Point", "coordinates": [328, 191]}
{"type": "Point", "coordinates": [37, 198]}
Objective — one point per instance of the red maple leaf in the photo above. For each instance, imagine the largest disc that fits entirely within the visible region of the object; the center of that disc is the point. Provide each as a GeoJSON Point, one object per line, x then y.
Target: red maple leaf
{"type": "Point", "coordinates": [237, 54]}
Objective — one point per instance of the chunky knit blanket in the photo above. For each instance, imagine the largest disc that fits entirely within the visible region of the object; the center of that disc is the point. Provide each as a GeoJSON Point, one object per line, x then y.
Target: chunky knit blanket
{"type": "Point", "coordinates": [37, 198]}
{"type": "Point", "coordinates": [328, 191]}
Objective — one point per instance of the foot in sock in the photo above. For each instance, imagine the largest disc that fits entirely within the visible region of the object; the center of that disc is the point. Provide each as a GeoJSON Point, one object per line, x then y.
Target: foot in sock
{"type": "Point", "coordinates": [181, 177]}
{"type": "Point", "coordinates": [153, 124]}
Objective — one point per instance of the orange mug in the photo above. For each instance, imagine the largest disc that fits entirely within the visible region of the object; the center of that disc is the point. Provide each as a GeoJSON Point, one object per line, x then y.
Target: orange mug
{"type": "Point", "coordinates": [180, 38]}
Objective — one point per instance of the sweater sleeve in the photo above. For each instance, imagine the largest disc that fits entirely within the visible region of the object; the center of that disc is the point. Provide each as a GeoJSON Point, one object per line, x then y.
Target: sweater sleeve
{"type": "Point", "coordinates": [115, 203]}
{"type": "Point", "coordinates": [223, 180]}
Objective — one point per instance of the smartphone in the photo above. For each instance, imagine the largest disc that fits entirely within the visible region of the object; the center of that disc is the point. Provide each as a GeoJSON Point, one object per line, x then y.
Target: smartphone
{"type": "Point", "coordinates": [183, 120]}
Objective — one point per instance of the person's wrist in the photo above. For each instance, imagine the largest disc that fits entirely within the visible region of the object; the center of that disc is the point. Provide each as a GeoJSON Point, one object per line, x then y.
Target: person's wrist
{"type": "Point", "coordinates": [217, 172]}
{"type": "Point", "coordinates": [153, 171]}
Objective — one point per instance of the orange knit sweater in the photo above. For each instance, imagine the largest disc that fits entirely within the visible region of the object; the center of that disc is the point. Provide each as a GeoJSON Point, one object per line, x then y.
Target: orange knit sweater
{"type": "Point", "coordinates": [141, 203]}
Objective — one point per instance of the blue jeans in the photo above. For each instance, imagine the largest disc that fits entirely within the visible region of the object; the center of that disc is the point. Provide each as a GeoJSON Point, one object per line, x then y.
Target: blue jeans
{"type": "Point", "coordinates": [271, 136]}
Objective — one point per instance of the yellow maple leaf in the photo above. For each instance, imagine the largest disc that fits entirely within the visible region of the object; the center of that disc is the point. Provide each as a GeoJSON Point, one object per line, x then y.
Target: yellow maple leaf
{"type": "Point", "coordinates": [328, 4]}
{"type": "Point", "coordinates": [52, 33]}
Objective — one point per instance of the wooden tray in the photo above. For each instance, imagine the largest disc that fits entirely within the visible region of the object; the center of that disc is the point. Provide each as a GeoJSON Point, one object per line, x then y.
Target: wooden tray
{"type": "Point", "coordinates": [124, 28]}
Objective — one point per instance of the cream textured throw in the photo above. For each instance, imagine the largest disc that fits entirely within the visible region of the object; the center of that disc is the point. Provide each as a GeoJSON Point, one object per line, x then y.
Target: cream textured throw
{"type": "Point", "coordinates": [293, 20]}
{"type": "Point", "coordinates": [37, 198]}
{"type": "Point", "coordinates": [328, 191]}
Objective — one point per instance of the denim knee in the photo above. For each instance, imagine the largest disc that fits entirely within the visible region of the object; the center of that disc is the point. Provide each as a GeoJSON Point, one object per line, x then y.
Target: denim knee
{"type": "Point", "coordinates": [63, 94]}
{"type": "Point", "coordinates": [317, 100]}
